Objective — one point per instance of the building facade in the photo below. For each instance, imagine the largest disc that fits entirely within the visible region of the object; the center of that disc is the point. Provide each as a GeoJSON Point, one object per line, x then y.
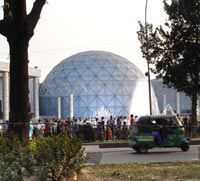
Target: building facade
{"type": "Point", "coordinates": [34, 75]}
{"type": "Point", "coordinates": [94, 83]}
{"type": "Point", "coordinates": [179, 101]}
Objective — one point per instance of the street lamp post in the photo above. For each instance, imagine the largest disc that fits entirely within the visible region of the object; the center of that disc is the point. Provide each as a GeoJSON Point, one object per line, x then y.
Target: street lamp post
{"type": "Point", "coordinates": [147, 57]}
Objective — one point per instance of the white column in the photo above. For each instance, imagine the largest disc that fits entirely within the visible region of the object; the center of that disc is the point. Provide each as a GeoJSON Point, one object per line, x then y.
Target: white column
{"type": "Point", "coordinates": [71, 106]}
{"type": "Point", "coordinates": [59, 107]}
{"type": "Point", "coordinates": [164, 97]}
{"type": "Point", "coordinates": [5, 96]}
{"type": "Point", "coordinates": [36, 96]}
{"type": "Point", "coordinates": [178, 103]}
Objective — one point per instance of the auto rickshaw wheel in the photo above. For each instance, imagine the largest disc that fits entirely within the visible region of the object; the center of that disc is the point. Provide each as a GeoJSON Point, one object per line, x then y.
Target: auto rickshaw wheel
{"type": "Point", "coordinates": [185, 147]}
{"type": "Point", "coordinates": [141, 150]}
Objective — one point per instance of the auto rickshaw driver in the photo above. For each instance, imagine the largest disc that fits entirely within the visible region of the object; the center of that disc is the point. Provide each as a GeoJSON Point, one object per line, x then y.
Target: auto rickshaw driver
{"type": "Point", "coordinates": [157, 133]}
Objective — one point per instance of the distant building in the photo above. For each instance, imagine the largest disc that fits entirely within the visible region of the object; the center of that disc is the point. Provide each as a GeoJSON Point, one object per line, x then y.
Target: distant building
{"type": "Point", "coordinates": [91, 84]}
{"type": "Point", "coordinates": [34, 75]}
{"type": "Point", "coordinates": [180, 102]}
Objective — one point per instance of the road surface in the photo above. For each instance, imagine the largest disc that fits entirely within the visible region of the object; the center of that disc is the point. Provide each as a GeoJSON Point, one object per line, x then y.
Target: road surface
{"type": "Point", "coordinates": [128, 155]}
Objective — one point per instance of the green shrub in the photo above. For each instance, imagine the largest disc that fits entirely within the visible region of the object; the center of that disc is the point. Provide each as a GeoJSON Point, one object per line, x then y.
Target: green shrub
{"type": "Point", "coordinates": [57, 157]}
{"type": "Point", "coordinates": [87, 133]}
{"type": "Point", "coordinates": [15, 160]}
{"type": "Point", "coordinates": [51, 158]}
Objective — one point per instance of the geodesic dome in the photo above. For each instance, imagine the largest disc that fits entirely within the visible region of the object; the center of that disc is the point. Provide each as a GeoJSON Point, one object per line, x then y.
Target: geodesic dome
{"type": "Point", "coordinates": [102, 84]}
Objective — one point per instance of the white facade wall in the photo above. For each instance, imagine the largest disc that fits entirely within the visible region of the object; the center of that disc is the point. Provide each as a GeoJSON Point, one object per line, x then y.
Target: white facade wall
{"type": "Point", "coordinates": [34, 75]}
{"type": "Point", "coordinates": [168, 95]}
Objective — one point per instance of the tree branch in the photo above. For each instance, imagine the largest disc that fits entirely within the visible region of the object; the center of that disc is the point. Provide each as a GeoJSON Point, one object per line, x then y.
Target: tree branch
{"type": "Point", "coordinates": [4, 28]}
{"type": "Point", "coordinates": [34, 15]}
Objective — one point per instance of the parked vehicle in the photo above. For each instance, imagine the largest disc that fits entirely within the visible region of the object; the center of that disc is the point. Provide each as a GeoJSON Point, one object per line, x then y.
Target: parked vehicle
{"type": "Point", "coordinates": [158, 131]}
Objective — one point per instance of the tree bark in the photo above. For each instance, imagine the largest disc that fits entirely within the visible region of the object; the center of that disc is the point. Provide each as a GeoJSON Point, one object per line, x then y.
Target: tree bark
{"type": "Point", "coordinates": [194, 109]}
{"type": "Point", "coordinates": [19, 87]}
{"type": "Point", "coordinates": [194, 114]}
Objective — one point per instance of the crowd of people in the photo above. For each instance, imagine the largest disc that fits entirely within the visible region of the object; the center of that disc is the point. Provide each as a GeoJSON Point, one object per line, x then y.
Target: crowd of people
{"type": "Point", "coordinates": [190, 125]}
{"type": "Point", "coordinates": [105, 129]}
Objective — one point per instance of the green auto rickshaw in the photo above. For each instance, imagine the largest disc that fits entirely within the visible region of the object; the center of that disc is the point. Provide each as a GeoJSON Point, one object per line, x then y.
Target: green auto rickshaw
{"type": "Point", "coordinates": [158, 131]}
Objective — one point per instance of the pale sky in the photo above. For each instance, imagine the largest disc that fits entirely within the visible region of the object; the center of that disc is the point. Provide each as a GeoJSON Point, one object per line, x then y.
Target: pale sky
{"type": "Point", "coordinates": [68, 27]}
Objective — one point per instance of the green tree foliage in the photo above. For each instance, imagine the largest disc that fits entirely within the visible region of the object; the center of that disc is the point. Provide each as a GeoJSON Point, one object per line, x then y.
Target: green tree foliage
{"type": "Point", "coordinates": [18, 27]}
{"type": "Point", "coordinates": [174, 49]}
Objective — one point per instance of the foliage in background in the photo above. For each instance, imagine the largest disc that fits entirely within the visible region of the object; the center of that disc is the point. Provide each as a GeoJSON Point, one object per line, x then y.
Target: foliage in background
{"type": "Point", "coordinates": [52, 158]}
{"type": "Point", "coordinates": [174, 48]}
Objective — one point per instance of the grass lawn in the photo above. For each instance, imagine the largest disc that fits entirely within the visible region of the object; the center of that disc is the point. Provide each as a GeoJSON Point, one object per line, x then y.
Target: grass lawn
{"type": "Point", "coordinates": [178, 171]}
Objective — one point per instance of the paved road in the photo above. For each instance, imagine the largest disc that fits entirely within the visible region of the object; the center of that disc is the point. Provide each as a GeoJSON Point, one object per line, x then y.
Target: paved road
{"type": "Point", "coordinates": [127, 155]}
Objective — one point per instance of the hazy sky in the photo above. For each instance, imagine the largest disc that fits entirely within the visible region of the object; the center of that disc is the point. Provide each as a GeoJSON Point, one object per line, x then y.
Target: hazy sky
{"type": "Point", "coordinates": [67, 27]}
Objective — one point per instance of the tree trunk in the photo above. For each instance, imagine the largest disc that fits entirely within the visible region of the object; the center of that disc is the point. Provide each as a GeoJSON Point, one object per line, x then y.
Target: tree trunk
{"type": "Point", "coordinates": [19, 88]}
{"type": "Point", "coordinates": [194, 113]}
{"type": "Point", "coordinates": [18, 28]}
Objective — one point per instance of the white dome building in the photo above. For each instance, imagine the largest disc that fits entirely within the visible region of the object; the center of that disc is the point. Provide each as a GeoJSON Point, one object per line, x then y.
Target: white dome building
{"type": "Point", "coordinates": [100, 83]}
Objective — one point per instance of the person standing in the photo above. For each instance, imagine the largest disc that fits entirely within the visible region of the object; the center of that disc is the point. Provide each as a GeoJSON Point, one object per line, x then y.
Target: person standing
{"type": "Point", "coordinates": [190, 126]}
{"type": "Point", "coordinates": [124, 131]}
{"type": "Point", "coordinates": [112, 126]}
{"type": "Point", "coordinates": [5, 127]}
{"type": "Point", "coordinates": [41, 128]}
{"type": "Point", "coordinates": [31, 128]}
{"type": "Point", "coordinates": [47, 129]}
{"type": "Point", "coordinates": [132, 120]}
